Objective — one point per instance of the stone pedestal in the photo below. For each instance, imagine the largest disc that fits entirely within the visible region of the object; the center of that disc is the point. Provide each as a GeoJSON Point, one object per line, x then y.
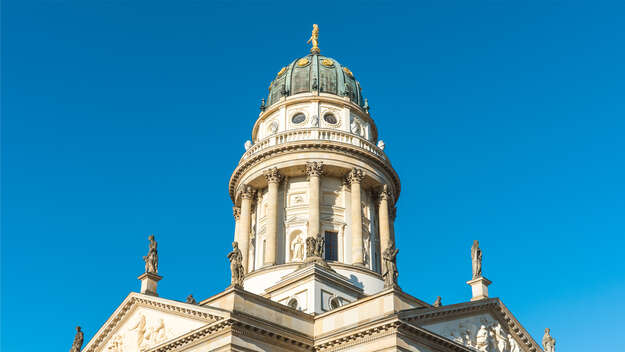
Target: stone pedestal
{"type": "Point", "coordinates": [149, 282]}
{"type": "Point", "coordinates": [479, 288]}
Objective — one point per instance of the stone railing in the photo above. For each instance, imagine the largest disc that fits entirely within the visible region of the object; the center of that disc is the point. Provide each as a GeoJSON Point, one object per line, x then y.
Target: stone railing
{"type": "Point", "coordinates": [313, 134]}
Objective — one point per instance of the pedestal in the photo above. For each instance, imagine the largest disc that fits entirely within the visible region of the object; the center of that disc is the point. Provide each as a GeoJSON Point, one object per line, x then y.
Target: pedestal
{"type": "Point", "coordinates": [149, 282]}
{"type": "Point", "coordinates": [479, 288]}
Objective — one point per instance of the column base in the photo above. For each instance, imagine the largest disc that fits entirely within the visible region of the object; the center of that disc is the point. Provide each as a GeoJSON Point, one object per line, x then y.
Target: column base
{"type": "Point", "coordinates": [149, 282]}
{"type": "Point", "coordinates": [479, 288]}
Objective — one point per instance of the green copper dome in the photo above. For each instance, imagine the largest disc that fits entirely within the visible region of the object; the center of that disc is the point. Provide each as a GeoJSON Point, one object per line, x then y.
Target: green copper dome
{"type": "Point", "coordinates": [315, 72]}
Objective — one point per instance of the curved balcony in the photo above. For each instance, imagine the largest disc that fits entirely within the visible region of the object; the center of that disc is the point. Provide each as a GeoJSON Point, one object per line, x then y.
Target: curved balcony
{"type": "Point", "coordinates": [313, 134]}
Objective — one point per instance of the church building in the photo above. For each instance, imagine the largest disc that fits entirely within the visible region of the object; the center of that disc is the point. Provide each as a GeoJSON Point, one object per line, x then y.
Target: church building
{"type": "Point", "coordinates": [314, 257]}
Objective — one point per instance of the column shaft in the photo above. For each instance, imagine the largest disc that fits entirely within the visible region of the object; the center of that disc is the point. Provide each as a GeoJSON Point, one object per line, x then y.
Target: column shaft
{"type": "Point", "coordinates": [273, 180]}
{"type": "Point", "coordinates": [245, 224]}
{"type": "Point", "coordinates": [314, 170]}
{"type": "Point", "coordinates": [354, 178]}
{"type": "Point", "coordinates": [385, 230]}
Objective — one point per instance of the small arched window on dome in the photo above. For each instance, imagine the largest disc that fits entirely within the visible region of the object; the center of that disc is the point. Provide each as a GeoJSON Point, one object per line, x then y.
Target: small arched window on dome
{"type": "Point", "coordinates": [330, 118]}
{"type": "Point", "coordinates": [298, 118]}
{"type": "Point", "coordinates": [293, 303]}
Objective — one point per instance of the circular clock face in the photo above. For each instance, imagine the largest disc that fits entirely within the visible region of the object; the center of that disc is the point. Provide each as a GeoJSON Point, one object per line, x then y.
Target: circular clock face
{"type": "Point", "coordinates": [298, 118]}
{"type": "Point", "coordinates": [330, 118]}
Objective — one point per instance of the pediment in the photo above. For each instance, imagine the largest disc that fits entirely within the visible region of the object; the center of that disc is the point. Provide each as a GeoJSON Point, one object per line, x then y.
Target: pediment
{"type": "Point", "coordinates": [142, 322]}
{"type": "Point", "coordinates": [485, 325]}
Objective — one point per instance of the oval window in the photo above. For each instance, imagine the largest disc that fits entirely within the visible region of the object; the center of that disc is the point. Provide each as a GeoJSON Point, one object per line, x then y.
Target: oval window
{"type": "Point", "coordinates": [293, 303]}
{"type": "Point", "coordinates": [298, 118]}
{"type": "Point", "coordinates": [330, 118]}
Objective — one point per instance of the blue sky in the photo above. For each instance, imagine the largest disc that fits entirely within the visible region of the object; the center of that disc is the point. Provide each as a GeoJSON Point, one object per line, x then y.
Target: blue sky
{"type": "Point", "coordinates": [504, 120]}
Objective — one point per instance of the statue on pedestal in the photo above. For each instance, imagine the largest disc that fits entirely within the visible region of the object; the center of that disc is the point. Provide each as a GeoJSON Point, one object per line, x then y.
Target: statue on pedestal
{"type": "Point", "coordinates": [314, 38]}
{"type": "Point", "coordinates": [151, 260]}
{"type": "Point", "coordinates": [78, 340]}
{"type": "Point", "coordinates": [390, 266]}
{"type": "Point", "coordinates": [236, 266]}
{"type": "Point", "coordinates": [476, 259]}
{"type": "Point", "coordinates": [549, 343]}
{"type": "Point", "coordinates": [191, 300]}
{"type": "Point", "coordinates": [438, 302]}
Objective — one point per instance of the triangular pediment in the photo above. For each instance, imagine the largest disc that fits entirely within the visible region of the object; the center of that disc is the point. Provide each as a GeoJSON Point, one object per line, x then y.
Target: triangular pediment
{"type": "Point", "coordinates": [143, 321]}
{"type": "Point", "coordinates": [485, 325]}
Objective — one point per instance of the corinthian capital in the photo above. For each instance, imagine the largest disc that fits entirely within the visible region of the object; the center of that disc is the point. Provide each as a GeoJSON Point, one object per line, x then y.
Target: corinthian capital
{"type": "Point", "coordinates": [314, 168]}
{"type": "Point", "coordinates": [355, 176]}
{"type": "Point", "coordinates": [273, 175]}
{"type": "Point", "coordinates": [248, 192]}
{"type": "Point", "coordinates": [236, 212]}
{"type": "Point", "coordinates": [386, 194]}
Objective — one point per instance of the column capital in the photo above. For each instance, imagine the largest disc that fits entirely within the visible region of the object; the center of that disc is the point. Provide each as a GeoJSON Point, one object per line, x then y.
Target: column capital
{"type": "Point", "coordinates": [386, 194]}
{"type": "Point", "coordinates": [248, 192]}
{"type": "Point", "coordinates": [355, 176]}
{"type": "Point", "coordinates": [236, 212]}
{"type": "Point", "coordinates": [273, 175]}
{"type": "Point", "coordinates": [314, 168]}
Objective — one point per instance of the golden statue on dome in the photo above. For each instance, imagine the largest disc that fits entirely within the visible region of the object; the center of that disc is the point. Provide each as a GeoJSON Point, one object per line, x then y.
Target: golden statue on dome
{"type": "Point", "coordinates": [314, 38]}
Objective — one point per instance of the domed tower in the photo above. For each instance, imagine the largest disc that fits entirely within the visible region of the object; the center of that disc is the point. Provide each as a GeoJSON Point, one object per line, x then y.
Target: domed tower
{"type": "Point", "coordinates": [314, 192]}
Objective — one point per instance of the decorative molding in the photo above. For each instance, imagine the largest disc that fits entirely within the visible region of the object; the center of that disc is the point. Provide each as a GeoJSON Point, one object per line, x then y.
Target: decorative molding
{"type": "Point", "coordinates": [273, 175]}
{"type": "Point", "coordinates": [236, 212]}
{"type": "Point", "coordinates": [355, 176]}
{"type": "Point", "coordinates": [314, 168]}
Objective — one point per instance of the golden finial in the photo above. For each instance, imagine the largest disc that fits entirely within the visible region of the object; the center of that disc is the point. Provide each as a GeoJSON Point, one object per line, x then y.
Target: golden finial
{"type": "Point", "coordinates": [314, 38]}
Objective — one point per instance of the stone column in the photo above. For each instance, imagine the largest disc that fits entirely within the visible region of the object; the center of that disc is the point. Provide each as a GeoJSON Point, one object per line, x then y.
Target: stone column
{"type": "Point", "coordinates": [245, 223]}
{"type": "Point", "coordinates": [383, 213]}
{"type": "Point", "coordinates": [393, 215]}
{"type": "Point", "coordinates": [354, 178]}
{"type": "Point", "coordinates": [314, 170]}
{"type": "Point", "coordinates": [236, 213]}
{"type": "Point", "coordinates": [273, 179]}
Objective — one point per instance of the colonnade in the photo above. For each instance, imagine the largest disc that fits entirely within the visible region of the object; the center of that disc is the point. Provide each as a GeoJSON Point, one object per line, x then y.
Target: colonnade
{"type": "Point", "coordinates": [314, 171]}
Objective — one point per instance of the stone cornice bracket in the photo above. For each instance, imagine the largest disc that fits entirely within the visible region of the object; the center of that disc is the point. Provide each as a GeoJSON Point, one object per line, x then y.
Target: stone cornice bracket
{"type": "Point", "coordinates": [248, 192]}
{"type": "Point", "coordinates": [355, 176]}
{"type": "Point", "coordinates": [314, 168]}
{"type": "Point", "coordinates": [236, 212]}
{"type": "Point", "coordinates": [273, 175]}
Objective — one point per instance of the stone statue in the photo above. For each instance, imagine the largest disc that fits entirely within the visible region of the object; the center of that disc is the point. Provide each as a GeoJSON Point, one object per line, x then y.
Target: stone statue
{"type": "Point", "coordinates": [191, 300]}
{"type": "Point", "coordinates": [476, 259]}
{"type": "Point", "coordinates": [78, 340]}
{"type": "Point", "coordinates": [247, 145]}
{"type": "Point", "coordinates": [438, 302]}
{"type": "Point", "coordinates": [390, 266]}
{"type": "Point", "coordinates": [381, 144]}
{"type": "Point", "coordinates": [314, 121]}
{"type": "Point", "coordinates": [481, 340]}
{"type": "Point", "coordinates": [314, 38]}
{"type": "Point", "coordinates": [140, 327]}
{"type": "Point", "coordinates": [297, 249]}
{"type": "Point", "coordinates": [236, 266]}
{"type": "Point", "coordinates": [151, 260]}
{"type": "Point", "coordinates": [319, 244]}
{"type": "Point", "coordinates": [549, 343]}
{"type": "Point", "coordinates": [311, 245]}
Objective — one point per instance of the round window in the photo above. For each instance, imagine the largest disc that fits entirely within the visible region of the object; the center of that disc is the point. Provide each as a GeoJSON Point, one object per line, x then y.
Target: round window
{"type": "Point", "coordinates": [330, 118]}
{"type": "Point", "coordinates": [334, 303]}
{"type": "Point", "coordinates": [298, 118]}
{"type": "Point", "coordinates": [293, 303]}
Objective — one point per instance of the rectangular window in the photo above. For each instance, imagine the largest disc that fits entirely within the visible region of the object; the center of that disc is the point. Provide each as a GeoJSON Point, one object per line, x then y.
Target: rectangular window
{"type": "Point", "coordinates": [331, 246]}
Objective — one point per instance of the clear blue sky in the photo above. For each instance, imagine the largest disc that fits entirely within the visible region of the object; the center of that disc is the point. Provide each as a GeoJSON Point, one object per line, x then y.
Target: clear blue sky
{"type": "Point", "coordinates": [505, 121]}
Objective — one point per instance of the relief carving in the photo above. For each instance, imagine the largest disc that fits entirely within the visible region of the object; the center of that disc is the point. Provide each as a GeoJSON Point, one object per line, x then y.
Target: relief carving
{"type": "Point", "coordinates": [481, 333]}
{"type": "Point", "coordinates": [297, 249]}
{"type": "Point", "coordinates": [141, 336]}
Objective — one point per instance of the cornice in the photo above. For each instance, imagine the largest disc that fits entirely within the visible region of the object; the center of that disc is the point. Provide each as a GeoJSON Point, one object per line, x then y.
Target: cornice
{"type": "Point", "coordinates": [311, 146]}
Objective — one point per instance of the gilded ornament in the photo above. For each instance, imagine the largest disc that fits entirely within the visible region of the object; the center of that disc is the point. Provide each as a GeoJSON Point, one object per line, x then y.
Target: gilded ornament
{"type": "Point", "coordinates": [314, 38]}
{"type": "Point", "coordinates": [327, 62]}
{"type": "Point", "coordinates": [282, 71]}
{"type": "Point", "coordinates": [346, 70]}
{"type": "Point", "coordinates": [302, 62]}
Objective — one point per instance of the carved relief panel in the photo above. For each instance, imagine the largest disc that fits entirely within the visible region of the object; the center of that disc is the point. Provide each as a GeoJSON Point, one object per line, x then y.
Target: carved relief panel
{"type": "Point", "coordinates": [482, 333]}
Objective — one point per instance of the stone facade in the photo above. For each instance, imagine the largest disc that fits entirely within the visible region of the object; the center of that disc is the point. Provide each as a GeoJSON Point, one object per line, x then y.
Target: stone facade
{"type": "Point", "coordinates": [315, 175]}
